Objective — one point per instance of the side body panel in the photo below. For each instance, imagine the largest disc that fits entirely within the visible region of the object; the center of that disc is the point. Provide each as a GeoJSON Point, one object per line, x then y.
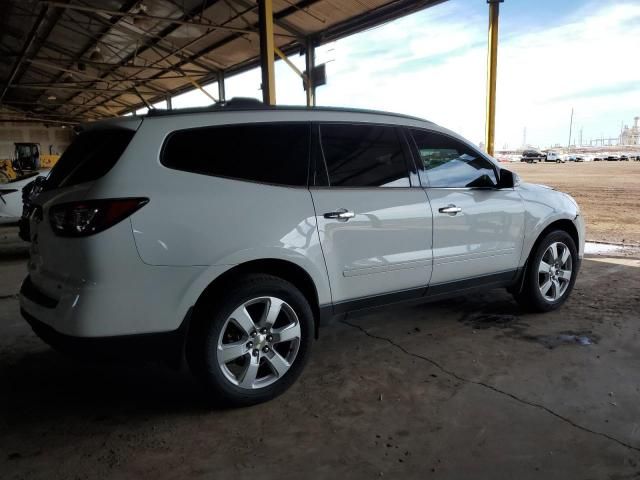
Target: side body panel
{"type": "Point", "coordinates": [543, 206]}
{"type": "Point", "coordinates": [206, 221]}
{"type": "Point", "coordinates": [485, 237]}
{"type": "Point", "coordinates": [385, 248]}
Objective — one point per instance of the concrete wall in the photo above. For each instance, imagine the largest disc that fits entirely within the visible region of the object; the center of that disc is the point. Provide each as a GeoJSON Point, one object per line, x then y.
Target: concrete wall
{"type": "Point", "coordinates": [51, 139]}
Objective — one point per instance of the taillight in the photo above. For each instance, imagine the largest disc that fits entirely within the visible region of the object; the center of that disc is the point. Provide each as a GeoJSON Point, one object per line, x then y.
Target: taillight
{"type": "Point", "coordinates": [80, 219]}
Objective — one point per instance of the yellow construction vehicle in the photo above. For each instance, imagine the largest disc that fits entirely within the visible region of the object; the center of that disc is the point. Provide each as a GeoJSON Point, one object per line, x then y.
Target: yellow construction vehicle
{"type": "Point", "coordinates": [26, 159]}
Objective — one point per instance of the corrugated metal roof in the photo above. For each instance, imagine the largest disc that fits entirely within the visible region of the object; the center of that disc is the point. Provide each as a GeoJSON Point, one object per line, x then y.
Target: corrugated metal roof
{"type": "Point", "coordinates": [87, 59]}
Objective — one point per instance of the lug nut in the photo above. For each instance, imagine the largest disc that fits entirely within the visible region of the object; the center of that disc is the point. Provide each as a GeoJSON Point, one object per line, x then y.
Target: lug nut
{"type": "Point", "coordinates": [253, 333]}
{"type": "Point", "coordinates": [263, 330]}
{"type": "Point", "coordinates": [250, 345]}
{"type": "Point", "coordinates": [255, 352]}
{"type": "Point", "coordinates": [269, 338]}
{"type": "Point", "coordinates": [265, 349]}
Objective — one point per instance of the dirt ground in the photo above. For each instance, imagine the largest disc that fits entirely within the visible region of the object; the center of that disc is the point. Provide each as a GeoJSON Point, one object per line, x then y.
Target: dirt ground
{"type": "Point", "coordinates": [470, 388]}
{"type": "Point", "coordinates": [608, 194]}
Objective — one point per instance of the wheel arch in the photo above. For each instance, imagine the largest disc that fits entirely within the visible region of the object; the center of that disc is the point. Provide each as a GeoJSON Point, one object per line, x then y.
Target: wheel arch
{"type": "Point", "coordinates": [284, 269]}
{"type": "Point", "coordinates": [563, 224]}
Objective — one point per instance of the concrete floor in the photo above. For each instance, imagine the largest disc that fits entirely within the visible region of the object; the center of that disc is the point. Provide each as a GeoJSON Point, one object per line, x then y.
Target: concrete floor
{"type": "Point", "coordinates": [471, 388]}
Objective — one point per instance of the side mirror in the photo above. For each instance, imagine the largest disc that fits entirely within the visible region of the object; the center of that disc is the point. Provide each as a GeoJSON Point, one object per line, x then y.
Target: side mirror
{"type": "Point", "coordinates": [507, 179]}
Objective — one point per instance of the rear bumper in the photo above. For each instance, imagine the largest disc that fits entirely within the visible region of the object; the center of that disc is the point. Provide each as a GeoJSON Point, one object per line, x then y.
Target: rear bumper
{"type": "Point", "coordinates": [166, 346]}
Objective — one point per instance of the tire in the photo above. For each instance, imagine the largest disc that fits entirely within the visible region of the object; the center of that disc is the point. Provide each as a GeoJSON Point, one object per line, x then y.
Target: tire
{"type": "Point", "coordinates": [257, 368]}
{"type": "Point", "coordinates": [531, 297]}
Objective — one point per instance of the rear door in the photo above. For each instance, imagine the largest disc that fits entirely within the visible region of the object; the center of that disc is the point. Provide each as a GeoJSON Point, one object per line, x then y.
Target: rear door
{"type": "Point", "coordinates": [478, 229]}
{"type": "Point", "coordinates": [374, 226]}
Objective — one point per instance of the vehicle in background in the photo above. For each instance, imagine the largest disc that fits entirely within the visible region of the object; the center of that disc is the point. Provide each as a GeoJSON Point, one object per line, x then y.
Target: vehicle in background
{"type": "Point", "coordinates": [553, 156]}
{"type": "Point", "coordinates": [624, 158]}
{"type": "Point", "coordinates": [612, 158]}
{"type": "Point", "coordinates": [579, 158]}
{"type": "Point", "coordinates": [532, 156]}
{"type": "Point", "coordinates": [11, 196]}
{"type": "Point", "coordinates": [598, 159]}
{"type": "Point", "coordinates": [27, 160]}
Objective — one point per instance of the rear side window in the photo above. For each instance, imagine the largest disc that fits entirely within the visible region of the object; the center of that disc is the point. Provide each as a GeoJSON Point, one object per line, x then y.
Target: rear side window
{"type": "Point", "coordinates": [449, 163]}
{"type": "Point", "coordinates": [90, 156]}
{"type": "Point", "coordinates": [267, 153]}
{"type": "Point", "coordinates": [363, 156]}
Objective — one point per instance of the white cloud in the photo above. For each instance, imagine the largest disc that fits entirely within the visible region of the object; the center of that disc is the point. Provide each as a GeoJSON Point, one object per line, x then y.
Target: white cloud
{"type": "Point", "coordinates": [433, 64]}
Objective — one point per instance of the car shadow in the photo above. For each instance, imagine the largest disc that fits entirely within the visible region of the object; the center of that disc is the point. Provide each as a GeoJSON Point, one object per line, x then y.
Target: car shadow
{"type": "Point", "coordinates": [43, 384]}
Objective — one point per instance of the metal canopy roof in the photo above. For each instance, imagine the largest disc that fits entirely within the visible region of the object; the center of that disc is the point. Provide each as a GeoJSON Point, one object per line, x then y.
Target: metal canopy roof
{"type": "Point", "coordinates": [76, 60]}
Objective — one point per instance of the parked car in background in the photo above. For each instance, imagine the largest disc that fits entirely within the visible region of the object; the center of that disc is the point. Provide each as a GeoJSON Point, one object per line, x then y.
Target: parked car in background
{"type": "Point", "coordinates": [277, 220]}
{"type": "Point", "coordinates": [624, 158]}
{"type": "Point", "coordinates": [11, 196]}
{"type": "Point", "coordinates": [579, 158]}
{"type": "Point", "coordinates": [598, 158]}
{"type": "Point", "coordinates": [612, 158]}
{"type": "Point", "coordinates": [532, 156]}
{"type": "Point", "coordinates": [552, 156]}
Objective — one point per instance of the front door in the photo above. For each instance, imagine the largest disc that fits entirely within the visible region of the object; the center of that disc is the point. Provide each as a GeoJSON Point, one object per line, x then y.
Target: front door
{"type": "Point", "coordinates": [375, 228]}
{"type": "Point", "coordinates": [478, 229]}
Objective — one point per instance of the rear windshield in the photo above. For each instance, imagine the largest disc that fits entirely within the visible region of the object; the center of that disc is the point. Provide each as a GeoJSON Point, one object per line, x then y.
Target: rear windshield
{"type": "Point", "coordinates": [91, 155]}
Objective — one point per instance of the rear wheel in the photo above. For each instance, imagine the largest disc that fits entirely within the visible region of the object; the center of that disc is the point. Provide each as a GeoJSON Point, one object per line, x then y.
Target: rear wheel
{"type": "Point", "coordinates": [551, 273]}
{"type": "Point", "coordinates": [252, 342]}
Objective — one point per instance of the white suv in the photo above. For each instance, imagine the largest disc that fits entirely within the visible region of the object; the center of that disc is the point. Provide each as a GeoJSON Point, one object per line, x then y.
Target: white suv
{"type": "Point", "coordinates": [228, 235]}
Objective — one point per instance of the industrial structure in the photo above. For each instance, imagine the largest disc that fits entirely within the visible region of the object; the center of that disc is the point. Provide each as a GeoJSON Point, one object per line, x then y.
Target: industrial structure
{"type": "Point", "coordinates": [631, 136]}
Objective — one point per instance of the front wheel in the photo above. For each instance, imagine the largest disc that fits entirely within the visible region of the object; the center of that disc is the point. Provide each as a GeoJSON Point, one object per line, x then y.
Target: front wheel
{"type": "Point", "coordinates": [251, 343]}
{"type": "Point", "coordinates": [551, 273]}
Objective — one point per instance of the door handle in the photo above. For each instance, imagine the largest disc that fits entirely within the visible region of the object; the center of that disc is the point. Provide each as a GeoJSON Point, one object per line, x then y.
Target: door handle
{"type": "Point", "coordinates": [341, 214]}
{"type": "Point", "coordinates": [450, 209]}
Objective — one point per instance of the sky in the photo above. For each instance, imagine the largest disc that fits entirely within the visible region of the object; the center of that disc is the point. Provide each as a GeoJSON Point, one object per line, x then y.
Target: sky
{"type": "Point", "coordinates": [554, 55]}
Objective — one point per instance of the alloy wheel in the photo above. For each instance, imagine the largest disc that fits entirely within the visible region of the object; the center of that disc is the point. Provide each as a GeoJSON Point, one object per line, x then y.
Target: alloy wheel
{"type": "Point", "coordinates": [554, 271]}
{"type": "Point", "coordinates": [259, 342]}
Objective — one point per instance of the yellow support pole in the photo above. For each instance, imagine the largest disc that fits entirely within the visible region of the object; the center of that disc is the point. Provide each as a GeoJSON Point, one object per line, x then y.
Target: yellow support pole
{"type": "Point", "coordinates": [267, 48]}
{"type": "Point", "coordinates": [492, 66]}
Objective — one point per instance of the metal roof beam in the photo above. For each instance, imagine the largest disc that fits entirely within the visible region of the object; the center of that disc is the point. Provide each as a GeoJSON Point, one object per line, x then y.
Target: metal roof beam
{"type": "Point", "coordinates": [30, 38]}
{"type": "Point", "coordinates": [79, 89]}
{"type": "Point", "coordinates": [156, 18]}
{"type": "Point", "coordinates": [164, 33]}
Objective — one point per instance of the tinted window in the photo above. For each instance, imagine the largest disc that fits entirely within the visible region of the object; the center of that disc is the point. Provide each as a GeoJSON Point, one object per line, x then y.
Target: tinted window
{"type": "Point", "coordinates": [90, 156]}
{"type": "Point", "coordinates": [449, 163]}
{"type": "Point", "coordinates": [269, 153]}
{"type": "Point", "coordinates": [363, 156]}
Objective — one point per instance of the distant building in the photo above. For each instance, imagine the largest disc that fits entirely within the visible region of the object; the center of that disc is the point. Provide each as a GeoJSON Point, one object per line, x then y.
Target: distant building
{"type": "Point", "coordinates": [631, 136]}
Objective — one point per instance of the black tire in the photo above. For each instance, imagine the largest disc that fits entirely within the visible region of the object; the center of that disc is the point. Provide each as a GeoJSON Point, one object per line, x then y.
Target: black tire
{"type": "Point", "coordinates": [210, 317]}
{"type": "Point", "coordinates": [530, 297]}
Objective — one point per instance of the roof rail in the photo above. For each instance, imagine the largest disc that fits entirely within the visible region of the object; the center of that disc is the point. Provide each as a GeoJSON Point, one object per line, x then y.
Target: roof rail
{"type": "Point", "coordinates": [248, 103]}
